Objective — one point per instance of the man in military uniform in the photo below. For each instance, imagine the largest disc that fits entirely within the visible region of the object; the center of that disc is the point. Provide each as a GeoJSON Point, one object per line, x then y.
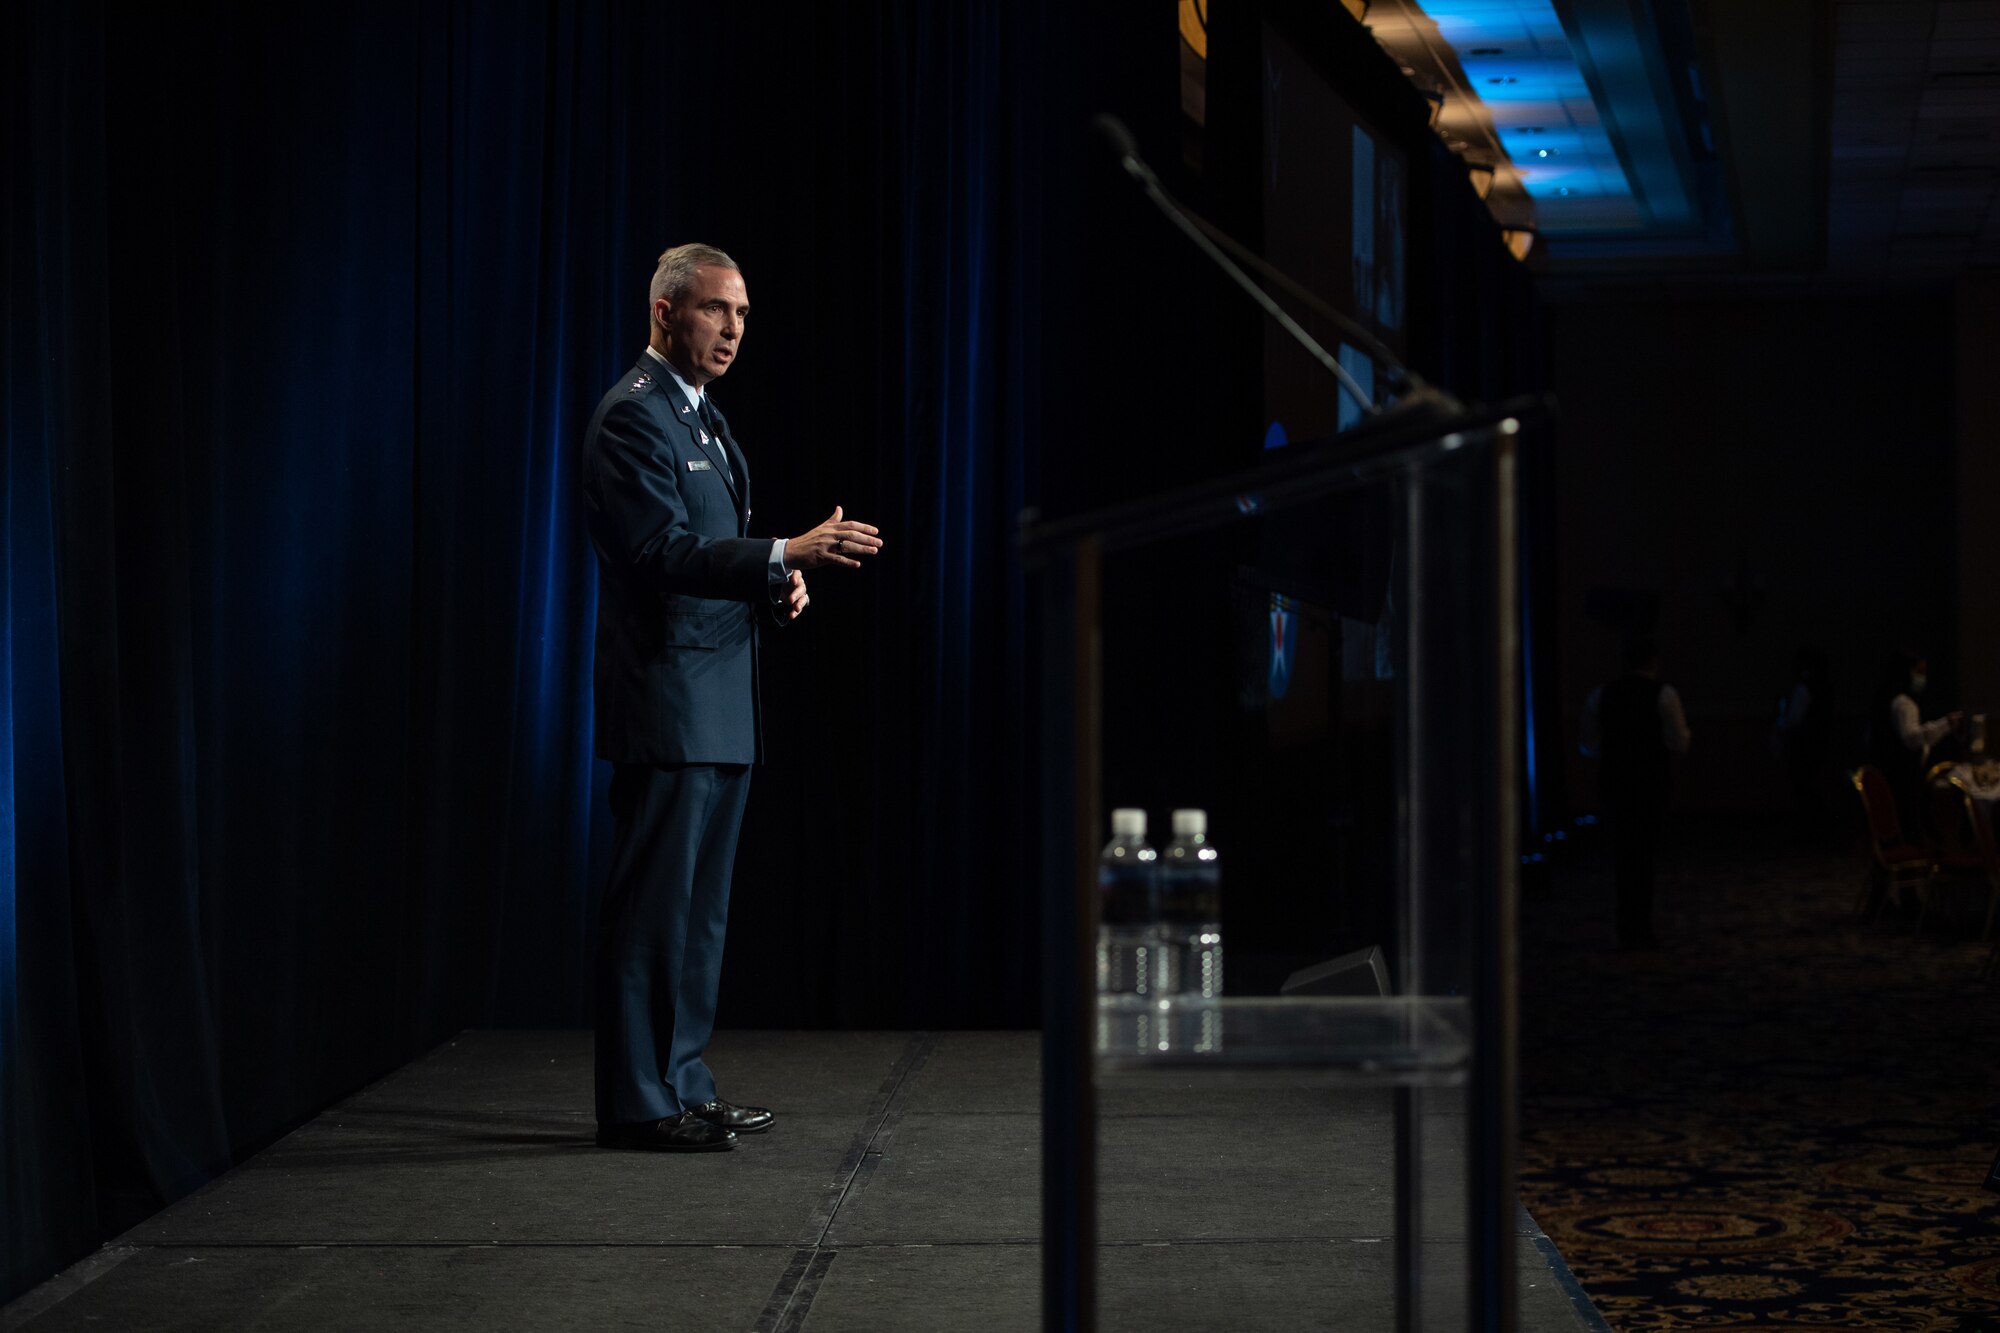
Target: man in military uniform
{"type": "Point", "coordinates": [683, 590]}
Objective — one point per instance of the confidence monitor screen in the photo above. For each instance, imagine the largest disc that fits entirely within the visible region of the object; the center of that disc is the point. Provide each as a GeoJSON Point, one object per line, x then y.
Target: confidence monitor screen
{"type": "Point", "coordinates": [1334, 196]}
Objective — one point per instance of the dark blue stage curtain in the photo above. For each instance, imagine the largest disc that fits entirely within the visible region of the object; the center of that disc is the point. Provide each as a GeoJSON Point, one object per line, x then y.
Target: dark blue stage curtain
{"type": "Point", "coordinates": [307, 307]}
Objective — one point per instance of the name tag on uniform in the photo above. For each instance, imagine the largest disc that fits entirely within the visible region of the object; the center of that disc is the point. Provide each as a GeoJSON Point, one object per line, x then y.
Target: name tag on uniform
{"type": "Point", "coordinates": [700, 465]}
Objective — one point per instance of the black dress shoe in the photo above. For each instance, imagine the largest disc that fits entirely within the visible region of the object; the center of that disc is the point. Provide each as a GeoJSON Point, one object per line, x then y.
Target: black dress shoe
{"type": "Point", "coordinates": [742, 1119]}
{"type": "Point", "coordinates": [677, 1133]}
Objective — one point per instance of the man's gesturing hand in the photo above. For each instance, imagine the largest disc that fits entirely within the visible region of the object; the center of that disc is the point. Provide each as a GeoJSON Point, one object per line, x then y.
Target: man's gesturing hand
{"type": "Point", "coordinates": [835, 542]}
{"type": "Point", "coordinates": [795, 597]}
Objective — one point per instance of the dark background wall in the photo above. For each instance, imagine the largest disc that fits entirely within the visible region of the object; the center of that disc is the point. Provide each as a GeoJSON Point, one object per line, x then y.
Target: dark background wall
{"type": "Point", "coordinates": [1779, 468]}
{"type": "Point", "coordinates": [1976, 482]}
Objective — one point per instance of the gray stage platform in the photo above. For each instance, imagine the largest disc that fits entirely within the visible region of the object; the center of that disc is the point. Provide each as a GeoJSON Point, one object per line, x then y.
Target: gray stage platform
{"type": "Point", "coordinates": [899, 1190]}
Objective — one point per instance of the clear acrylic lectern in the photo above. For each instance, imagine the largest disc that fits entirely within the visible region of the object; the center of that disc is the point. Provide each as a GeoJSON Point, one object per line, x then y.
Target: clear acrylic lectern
{"type": "Point", "coordinates": [1342, 621]}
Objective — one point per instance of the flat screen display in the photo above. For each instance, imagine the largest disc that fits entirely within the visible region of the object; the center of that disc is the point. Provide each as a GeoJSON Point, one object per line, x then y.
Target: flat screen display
{"type": "Point", "coordinates": [1335, 197]}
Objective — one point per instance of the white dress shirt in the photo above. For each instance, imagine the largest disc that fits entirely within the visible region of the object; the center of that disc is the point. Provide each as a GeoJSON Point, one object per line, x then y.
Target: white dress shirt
{"type": "Point", "coordinates": [779, 572]}
{"type": "Point", "coordinates": [1911, 729]}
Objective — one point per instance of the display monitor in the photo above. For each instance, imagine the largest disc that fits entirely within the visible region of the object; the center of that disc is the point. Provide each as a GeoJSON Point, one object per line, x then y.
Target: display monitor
{"type": "Point", "coordinates": [1335, 199]}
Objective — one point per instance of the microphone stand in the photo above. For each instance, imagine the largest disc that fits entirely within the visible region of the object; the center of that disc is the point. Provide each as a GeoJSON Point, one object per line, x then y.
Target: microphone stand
{"type": "Point", "coordinates": [1210, 240]}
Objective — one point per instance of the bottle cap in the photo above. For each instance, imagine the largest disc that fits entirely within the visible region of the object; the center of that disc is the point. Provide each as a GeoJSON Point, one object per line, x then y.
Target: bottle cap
{"type": "Point", "coordinates": [1128, 823]}
{"type": "Point", "coordinates": [1190, 823]}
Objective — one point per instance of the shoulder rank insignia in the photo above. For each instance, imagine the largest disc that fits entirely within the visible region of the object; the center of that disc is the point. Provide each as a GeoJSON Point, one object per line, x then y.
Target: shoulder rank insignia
{"type": "Point", "coordinates": [641, 384]}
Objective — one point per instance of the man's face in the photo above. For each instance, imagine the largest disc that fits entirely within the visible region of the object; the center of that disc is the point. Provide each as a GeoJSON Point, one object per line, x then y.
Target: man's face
{"type": "Point", "coordinates": [705, 327]}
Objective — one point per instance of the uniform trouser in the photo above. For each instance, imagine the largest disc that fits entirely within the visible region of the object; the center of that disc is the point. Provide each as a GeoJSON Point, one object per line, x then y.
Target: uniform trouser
{"type": "Point", "coordinates": [1635, 846]}
{"type": "Point", "coordinates": [659, 942]}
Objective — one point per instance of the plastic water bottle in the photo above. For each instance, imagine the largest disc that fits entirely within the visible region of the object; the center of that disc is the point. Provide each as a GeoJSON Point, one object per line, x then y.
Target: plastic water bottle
{"type": "Point", "coordinates": [1191, 911]}
{"type": "Point", "coordinates": [1127, 903]}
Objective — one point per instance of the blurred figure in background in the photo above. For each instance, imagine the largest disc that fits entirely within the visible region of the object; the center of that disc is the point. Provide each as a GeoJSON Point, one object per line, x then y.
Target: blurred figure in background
{"type": "Point", "coordinates": [1804, 733]}
{"type": "Point", "coordinates": [1899, 740]}
{"type": "Point", "coordinates": [1633, 726]}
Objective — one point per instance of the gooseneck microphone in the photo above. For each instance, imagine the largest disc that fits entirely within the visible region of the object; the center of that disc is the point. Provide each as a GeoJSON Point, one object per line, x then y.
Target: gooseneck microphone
{"type": "Point", "coordinates": [1118, 138]}
{"type": "Point", "coordinates": [1212, 241]}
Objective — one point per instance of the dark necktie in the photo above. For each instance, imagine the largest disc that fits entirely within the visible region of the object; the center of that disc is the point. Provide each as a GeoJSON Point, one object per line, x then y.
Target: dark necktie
{"type": "Point", "coordinates": [715, 433]}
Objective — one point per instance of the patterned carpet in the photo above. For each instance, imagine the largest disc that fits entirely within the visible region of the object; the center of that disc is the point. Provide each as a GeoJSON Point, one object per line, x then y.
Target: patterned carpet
{"type": "Point", "coordinates": [1780, 1120]}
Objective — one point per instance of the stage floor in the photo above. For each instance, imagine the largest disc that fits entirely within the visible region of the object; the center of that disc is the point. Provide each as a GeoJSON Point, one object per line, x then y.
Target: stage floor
{"type": "Point", "coordinates": [899, 1189]}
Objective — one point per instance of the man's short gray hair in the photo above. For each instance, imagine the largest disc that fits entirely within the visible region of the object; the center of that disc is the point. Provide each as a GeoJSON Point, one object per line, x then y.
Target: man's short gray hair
{"type": "Point", "coordinates": [675, 274]}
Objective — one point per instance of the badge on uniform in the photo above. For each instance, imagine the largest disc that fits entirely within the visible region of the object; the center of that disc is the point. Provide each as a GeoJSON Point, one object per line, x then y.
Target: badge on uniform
{"type": "Point", "coordinates": [640, 383]}
{"type": "Point", "coordinates": [700, 465]}
{"type": "Point", "coordinates": [704, 436]}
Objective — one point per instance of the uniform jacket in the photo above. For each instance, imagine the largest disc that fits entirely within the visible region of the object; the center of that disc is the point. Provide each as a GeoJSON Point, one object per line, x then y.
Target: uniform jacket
{"type": "Point", "coordinates": [682, 586]}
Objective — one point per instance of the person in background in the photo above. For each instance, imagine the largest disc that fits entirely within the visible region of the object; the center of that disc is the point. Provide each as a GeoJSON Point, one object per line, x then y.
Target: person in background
{"type": "Point", "coordinates": [1899, 740]}
{"type": "Point", "coordinates": [1804, 730]}
{"type": "Point", "coordinates": [1633, 726]}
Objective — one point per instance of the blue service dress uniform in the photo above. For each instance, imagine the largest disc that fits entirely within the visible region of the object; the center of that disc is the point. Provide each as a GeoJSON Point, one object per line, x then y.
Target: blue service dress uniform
{"type": "Point", "coordinates": [683, 592]}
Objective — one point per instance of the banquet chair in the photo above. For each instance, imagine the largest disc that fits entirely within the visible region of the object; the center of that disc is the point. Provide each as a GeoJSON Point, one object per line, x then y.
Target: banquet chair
{"type": "Point", "coordinates": [1938, 811]}
{"type": "Point", "coordinates": [1893, 860]}
{"type": "Point", "coordinates": [1984, 855]}
{"type": "Point", "coordinates": [1956, 852]}
{"type": "Point", "coordinates": [1942, 811]}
